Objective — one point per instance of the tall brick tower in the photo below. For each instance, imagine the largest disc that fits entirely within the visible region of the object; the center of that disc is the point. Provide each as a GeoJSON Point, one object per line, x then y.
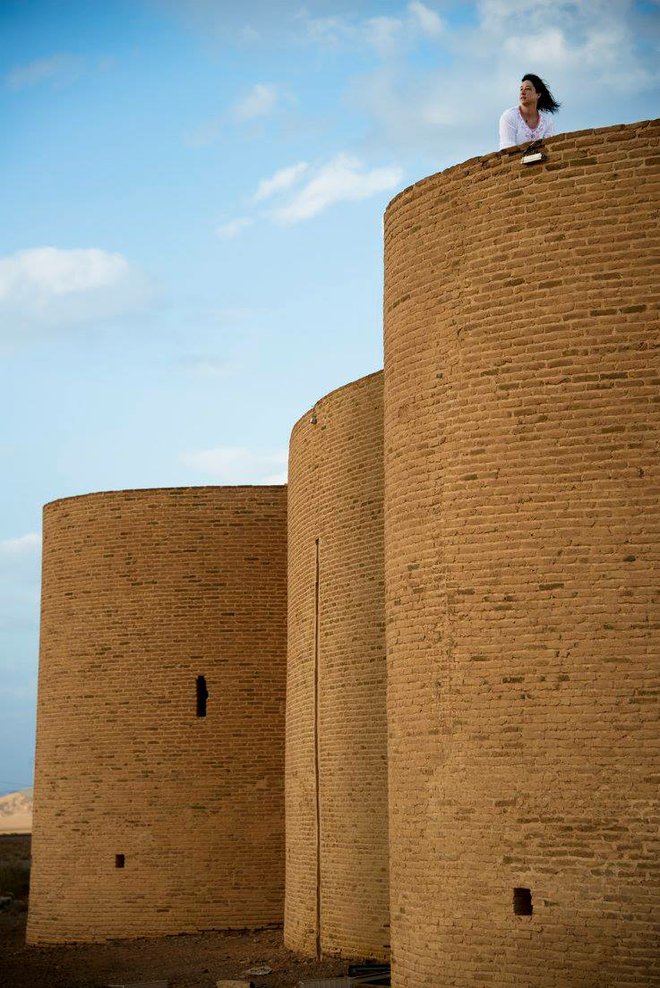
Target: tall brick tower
{"type": "Point", "coordinates": [520, 538]}
{"type": "Point", "coordinates": [159, 790]}
{"type": "Point", "coordinates": [336, 749]}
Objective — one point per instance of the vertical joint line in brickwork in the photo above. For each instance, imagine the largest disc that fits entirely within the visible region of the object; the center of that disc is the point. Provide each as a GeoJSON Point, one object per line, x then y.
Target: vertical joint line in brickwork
{"type": "Point", "coordinates": [317, 774]}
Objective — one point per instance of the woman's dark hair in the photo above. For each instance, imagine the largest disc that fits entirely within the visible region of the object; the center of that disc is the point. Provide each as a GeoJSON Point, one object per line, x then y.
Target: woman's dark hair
{"type": "Point", "coordinates": [546, 101]}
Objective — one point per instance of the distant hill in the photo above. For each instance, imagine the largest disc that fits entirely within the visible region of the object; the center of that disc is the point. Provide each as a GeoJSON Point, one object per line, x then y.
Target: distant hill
{"type": "Point", "coordinates": [16, 812]}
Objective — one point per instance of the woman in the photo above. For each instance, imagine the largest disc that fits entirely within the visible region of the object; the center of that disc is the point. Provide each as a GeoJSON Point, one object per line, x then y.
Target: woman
{"type": "Point", "coordinates": [531, 119]}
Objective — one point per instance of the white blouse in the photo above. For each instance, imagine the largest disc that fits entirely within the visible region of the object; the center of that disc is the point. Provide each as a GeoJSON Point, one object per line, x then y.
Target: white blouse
{"type": "Point", "coordinates": [514, 129]}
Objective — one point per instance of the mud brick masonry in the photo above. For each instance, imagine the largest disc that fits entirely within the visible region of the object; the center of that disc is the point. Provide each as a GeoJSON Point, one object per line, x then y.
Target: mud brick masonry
{"type": "Point", "coordinates": [150, 818]}
{"type": "Point", "coordinates": [471, 737]}
{"type": "Point", "coordinates": [521, 531]}
{"type": "Point", "coordinates": [336, 748]}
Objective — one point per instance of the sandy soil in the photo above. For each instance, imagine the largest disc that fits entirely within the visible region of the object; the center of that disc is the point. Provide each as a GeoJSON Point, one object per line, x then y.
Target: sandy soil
{"type": "Point", "coordinates": [189, 961]}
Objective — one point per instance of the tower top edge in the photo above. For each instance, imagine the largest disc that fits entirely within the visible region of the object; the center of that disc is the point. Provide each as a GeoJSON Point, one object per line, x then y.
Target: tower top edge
{"type": "Point", "coordinates": [495, 157]}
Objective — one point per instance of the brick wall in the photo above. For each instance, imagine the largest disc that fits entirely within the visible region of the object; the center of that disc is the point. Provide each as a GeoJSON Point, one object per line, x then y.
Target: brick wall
{"type": "Point", "coordinates": [520, 532]}
{"type": "Point", "coordinates": [337, 647]}
{"type": "Point", "coordinates": [144, 591]}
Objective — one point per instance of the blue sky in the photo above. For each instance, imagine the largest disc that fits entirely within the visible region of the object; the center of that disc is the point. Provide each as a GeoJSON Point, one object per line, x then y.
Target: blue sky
{"type": "Point", "coordinates": [190, 249]}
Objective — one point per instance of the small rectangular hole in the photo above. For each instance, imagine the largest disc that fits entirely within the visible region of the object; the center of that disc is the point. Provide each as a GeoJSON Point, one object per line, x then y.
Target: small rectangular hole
{"type": "Point", "coordinates": [522, 902]}
{"type": "Point", "coordinates": [120, 860]}
{"type": "Point", "coordinates": [202, 696]}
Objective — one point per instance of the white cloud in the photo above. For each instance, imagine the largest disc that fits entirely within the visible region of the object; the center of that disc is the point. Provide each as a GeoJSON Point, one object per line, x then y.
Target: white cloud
{"type": "Point", "coordinates": [59, 272]}
{"type": "Point", "coordinates": [255, 106]}
{"type": "Point", "coordinates": [387, 35]}
{"type": "Point", "coordinates": [429, 21]}
{"type": "Point", "coordinates": [63, 68]}
{"type": "Point", "coordinates": [239, 465]}
{"type": "Point", "coordinates": [342, 179]}
{"type": "Point", "coordinates": [327, 31]}
{"type": "Point", "coordinates": [496, 15]}
{"type": "Point", "coordinates": [259, 102]}
{"type": "Point", "coordinates": [383, 34]}
{"type": "Point", "coordinates": [227, 231]}
{"type": "Point", "coordinates": [47, 287]}
{"type": "Point", "coordinates": [21, 545]}
{"type": "Point", "coordinates": [548, 46]}
{"type": "Point", "coordinates": [597, 57]}
{"type": "Point", "coordinates": [591, 54]}
{"type": "Point", "coordinates": [280, 181]}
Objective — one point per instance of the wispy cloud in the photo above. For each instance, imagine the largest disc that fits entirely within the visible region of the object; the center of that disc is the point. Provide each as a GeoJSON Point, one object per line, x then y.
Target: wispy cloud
{"type": "Point", "coordinates": [21, 545]}
{"type": "Point", "coordinates": [387, 34]}
{"type": "Point", "coordinates": [59, 272]}
{"type": "Point", "coordinates": [344, 178]}
{"type": "Point", "coordinates": [227, 231]}
{"type": "Point", "coordinates": [327, 31]}
{"type": "Point", "coordinates": [47, 287]}
{"type": "Point", "coordinates": [429, 20]}
{"type": "Point", "coordinates": [383, 34]}
{"type": "Point", "coordinates": [59, 67]}
{"type": "Point", "coordinates": [600, 59]}
{"type": "Point", "coordinates": [280, 181]}
{"type": "Point", "coordinates": [260, 101]}
{"type": "Point", "coordinates": [239, 465]}
{"type": "Point", "coordinates": [550, 46]}
{"type": "Point", "coordinates": [590, 54]}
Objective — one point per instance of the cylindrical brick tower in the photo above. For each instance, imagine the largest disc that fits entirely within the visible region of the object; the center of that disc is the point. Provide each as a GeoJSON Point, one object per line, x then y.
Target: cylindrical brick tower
{"type": "Point", "coordinates": [520, 533]}
{"type": "Point", "coordinates": [159, 791]}
{"type": "Point", "coordinates": [336, 770]}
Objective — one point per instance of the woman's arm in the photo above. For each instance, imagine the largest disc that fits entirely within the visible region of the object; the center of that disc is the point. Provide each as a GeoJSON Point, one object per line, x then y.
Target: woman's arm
{"type": "Point", "coordinates": [507, 130]}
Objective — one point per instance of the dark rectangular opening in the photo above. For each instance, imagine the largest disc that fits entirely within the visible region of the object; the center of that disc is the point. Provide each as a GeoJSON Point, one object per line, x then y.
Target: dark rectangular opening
{"type": "Point", "coordinates": [120, 860]}
{"type": "Point", "coordinates": [202, 696]}
{"type": "Point", "coordinates": [522, 902]}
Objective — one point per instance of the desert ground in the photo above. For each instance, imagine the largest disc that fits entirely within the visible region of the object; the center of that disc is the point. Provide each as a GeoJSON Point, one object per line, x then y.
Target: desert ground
{"type": "Point", "coordinates": [191, 961]}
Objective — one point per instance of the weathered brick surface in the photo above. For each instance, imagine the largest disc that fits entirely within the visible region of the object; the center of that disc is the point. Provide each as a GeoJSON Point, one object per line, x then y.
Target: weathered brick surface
{"type": "Point", "coordinates": [144, 591]}
{"type": "Point", "coordinates": [336, 497]}
{"type": "Point", "coordinates": [521, 528]}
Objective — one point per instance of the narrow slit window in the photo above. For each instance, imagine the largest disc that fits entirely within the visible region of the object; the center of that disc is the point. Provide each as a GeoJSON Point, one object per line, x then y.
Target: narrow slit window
{"type": "Point", "coordinates": [202, 696]}
{"type": "Point", "coordinates": [522, 902]}
{"type": "Point", "coordinates": [120, 860]}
